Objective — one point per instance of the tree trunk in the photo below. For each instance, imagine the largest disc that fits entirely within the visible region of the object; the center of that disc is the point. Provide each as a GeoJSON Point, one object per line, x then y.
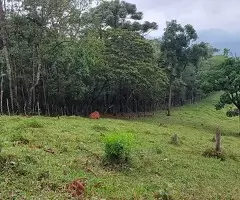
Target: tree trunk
{"type": "Point", "coordinates": [5, 51]}
{"type": "Point", "coordinates": [238, 120]}
{"type": "Point", "coordinates": [35, 82]}
{"type": "Point", "coordinates": [218, 140]}
{"type": "Point", "coordinates": [2, 91]}
{"type": "Point", "coordinates": [169, 99]}
{"type": "Point", "coordinates": [38, 107]}
{"type": "Point", "coordinates": [8, 108]}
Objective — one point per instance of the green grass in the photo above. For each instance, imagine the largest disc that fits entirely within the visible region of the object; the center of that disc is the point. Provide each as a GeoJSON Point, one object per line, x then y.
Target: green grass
{"type": "Point", "coordinates": [27, 171]}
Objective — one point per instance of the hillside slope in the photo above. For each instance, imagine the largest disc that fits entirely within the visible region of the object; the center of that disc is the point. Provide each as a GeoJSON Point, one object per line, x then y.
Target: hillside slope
{"type": "Point", "coordinates": [41, 155]}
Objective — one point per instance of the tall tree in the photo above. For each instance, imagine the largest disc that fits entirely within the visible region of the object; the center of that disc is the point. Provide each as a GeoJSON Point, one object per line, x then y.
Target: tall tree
{"type": "Point", "coordinates": [3, 38]}
{"type": "Point", "coordinates": [135, 72]}
{"type": "Point", "coordinates": [118, 14]}
{"type": "Point", "coordinates": [176, 43]}
{"type": "Point", "coordinates": [224, 77]}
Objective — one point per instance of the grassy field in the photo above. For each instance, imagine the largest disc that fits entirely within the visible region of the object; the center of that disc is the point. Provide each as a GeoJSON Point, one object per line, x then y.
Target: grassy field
{"type": "Point", "coordinates": [40, 156]}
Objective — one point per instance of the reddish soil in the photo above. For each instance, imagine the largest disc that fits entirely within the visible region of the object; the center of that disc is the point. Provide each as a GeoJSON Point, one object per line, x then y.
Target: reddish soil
{"type": "Point", "coordinates": [76, 188]}
{"type": "Point", "coordinates": [95, 115]}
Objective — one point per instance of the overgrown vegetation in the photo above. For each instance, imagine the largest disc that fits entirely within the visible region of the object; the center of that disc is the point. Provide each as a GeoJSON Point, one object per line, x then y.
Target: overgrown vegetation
{"type": "Point", "coordinates": [212, 153]}
{"type": "Point", "coordinates": [118, 147]}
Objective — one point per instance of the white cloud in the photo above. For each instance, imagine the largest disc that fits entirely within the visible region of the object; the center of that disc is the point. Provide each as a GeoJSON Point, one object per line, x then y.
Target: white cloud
{"type": "Point", "coordinates": [202, 14]}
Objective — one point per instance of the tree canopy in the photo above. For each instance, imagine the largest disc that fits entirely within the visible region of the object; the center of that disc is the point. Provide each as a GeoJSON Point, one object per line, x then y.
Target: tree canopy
{"type": "Point", "coordinates": [75, 57]}
{"type": "Point", "coordinates": [224, 77]}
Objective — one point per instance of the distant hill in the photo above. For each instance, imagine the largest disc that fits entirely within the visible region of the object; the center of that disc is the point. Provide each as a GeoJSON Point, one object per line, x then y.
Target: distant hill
{"type": "Point", "coordinates": [219, 39]}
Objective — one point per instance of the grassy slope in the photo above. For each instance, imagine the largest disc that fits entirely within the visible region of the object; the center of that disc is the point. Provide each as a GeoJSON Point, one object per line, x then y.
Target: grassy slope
{"type": "Point", "coordinates": [77, 143]}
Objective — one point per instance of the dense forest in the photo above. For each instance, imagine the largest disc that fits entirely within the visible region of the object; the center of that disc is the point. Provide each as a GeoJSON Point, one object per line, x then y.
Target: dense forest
{"type": "Point", "coordinates": [73, 57]}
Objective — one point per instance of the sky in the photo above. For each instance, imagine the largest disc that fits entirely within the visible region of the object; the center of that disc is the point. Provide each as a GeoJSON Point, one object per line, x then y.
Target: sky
{"type": "Point", "coordinates": [202, 14]}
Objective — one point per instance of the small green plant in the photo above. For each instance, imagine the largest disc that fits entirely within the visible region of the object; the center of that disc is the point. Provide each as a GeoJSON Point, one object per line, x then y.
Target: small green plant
{"type": "Point", "coordinates": [99, 128]}
{"type": "Point", "coordinates": [1, 146]}
{"type": "Point", "coordinates": [165, 193]}
{"type": "Point", "coordinates": [212, 153]}
{"type": "Point", "coordinates": [233, 156]}
{"type": "Point", "coordinates": [30, 160]}
{"type": "Point", "coordinates": [118, 147]}
{"type": "Point", "coordinates": [18, 138]}
{"type": "Point", "coordinates": [64, 149]}
{"type": "Point", "coordinates": [43, 175]}
{"type": "Point", "coordinates": [158, 150]}
{"type": "Point", "coordinates": [175, 140]}
{"type": "Point", "coordinates": [10, 164]}
{"type": "Point", "coordinates": [33, 123]}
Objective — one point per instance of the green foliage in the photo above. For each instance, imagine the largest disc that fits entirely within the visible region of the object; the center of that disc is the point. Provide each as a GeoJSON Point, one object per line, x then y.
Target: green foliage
{"type": "Point", "coordinates": [118, 14]}
{"type": "Point", "coordinates": [165, 194]}
{"type": "Point", "coordinates": [158, 150]}
{"type": "Point", "coordinates": [32, 123]}
{"type": "Point", "coordinates": [118, 147]}
{"type": "Point", "coordinates": [226, 78]}
{"type": "Point", "coordinates": [30, 160]}
{"type": "Point", "coordinates": [18, 138]}
{"type": "Point", "coordinates": [9, 164]}
{"type": "Point", "coordinates": [43, 175]}
{"type": "Point", "coordinates": [175, 140]}
{"type": "Point", "coordinates": [233, 113]}
{"type": "Point", "coordinates": [179, 54]}
{"type": "Point", "coordinates": [233, 156]}
{"type": "Point", "coordinates": [132, 65]}
{"type": "Point", "coordinates": [212, 153]}
{"type": "Point", "coordinates": [175, 46]}
{"type": "Point", "coordinates": [99, 128]}
{"type": "Point", "coordinates": [73, 57]}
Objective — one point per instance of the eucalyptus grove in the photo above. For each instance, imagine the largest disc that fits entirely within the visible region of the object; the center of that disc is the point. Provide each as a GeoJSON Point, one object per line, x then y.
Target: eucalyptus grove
{"type": "Point", "coordinates": [73, 57]}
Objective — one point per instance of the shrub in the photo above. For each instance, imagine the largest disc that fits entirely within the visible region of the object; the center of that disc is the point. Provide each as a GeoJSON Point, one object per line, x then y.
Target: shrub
{"type": "Point", "coordinates": [165, 194]}
{"type": "Point", "coordinates": [175, 140]}
{"type": "Point", "coordinates": [158, 150]}
{"type": "Point", "coordinates": [215, 154]}
{"type": "Point", "coordinates": [10, 164]}
{"type": "Point", "coordinates": [33, 123]}
{"type": "Point", "coordinates": [30, 160]}
{"type": "Point", "coordinates": [19, 139]}
{"type": "Point", "coordinates": [43, 175]}
{"type": "Point", "coordinates": [118, 147]}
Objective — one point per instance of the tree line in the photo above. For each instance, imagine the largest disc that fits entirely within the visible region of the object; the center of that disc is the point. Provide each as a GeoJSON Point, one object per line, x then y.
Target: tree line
{"type": "Point", "coordinates": [73, 57]}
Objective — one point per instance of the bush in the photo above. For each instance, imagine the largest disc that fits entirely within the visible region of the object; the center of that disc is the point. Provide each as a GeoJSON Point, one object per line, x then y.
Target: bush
{"type": "Point", "coordinates": [175, 140]}
{"type": "Point", "coordinates": [158, 150]}
{"type": "Point", "coordinates": [118, 147]}
{"type": "Point", "coordinates": [215, 154]}
{"type": "Point", "coordinates": [33, 124]}
{"type": "Point", "coordinates": [18, 138]}
{"type": "Point", "coordinates": [10, 164]}
{"type": "Point", "coordinates": [165, 194]}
